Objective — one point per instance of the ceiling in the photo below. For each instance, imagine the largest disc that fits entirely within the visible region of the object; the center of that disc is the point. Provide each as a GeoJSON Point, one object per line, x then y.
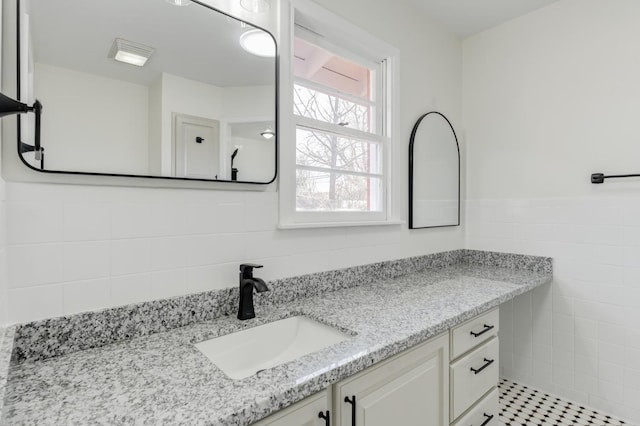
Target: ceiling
{"type": "Point", "coordinates": [193, 42]}
{"type": "Point", "coordinates": [468, 17]}
{"type": "Point", "coordinates": [78, 34]}
{"type": "Point", "coordinates": [252, 129]}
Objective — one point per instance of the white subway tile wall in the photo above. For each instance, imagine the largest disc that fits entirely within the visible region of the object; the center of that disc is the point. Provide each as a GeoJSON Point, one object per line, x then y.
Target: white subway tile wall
{"type": "Point", "coordinates": [580, 336]}
{"type": "Point", "coordinates": [3, 256]}
{"type": "Point", "coordinates": [76, 248]}
{"type": "Point", "coordinates": [4, 276]}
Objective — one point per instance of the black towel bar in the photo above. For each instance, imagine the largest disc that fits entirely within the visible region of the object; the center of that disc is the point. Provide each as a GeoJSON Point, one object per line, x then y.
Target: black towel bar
{"type": "Point", "coordinates": [600, 177]}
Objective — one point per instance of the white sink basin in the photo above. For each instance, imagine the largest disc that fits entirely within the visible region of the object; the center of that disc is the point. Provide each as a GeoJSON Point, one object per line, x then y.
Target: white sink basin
{"type": "Point", "coordinates": [244, 353]}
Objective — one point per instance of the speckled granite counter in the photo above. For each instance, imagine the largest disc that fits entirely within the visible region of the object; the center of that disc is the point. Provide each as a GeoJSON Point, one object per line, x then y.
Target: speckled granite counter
{"type": "Point", "coordinates": [6, 347]}
{"type": "Point", "coordinates": [163, 379]}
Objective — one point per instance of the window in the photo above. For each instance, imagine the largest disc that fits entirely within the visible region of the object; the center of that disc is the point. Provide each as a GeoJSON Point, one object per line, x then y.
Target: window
{"type": "Point", "coordinates": [339, 106]}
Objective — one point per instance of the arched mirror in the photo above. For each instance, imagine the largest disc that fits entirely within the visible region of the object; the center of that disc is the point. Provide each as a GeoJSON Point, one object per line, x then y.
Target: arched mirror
{"type": "Point", "coordinates": [434, 173]}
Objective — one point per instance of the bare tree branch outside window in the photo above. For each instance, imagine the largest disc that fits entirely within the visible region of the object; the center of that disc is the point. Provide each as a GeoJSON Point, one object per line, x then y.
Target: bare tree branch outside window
{"type": "Point", "coordinates": [332, 190]}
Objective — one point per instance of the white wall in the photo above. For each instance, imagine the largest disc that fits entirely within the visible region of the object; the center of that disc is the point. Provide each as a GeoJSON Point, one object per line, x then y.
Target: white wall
{"type": "Point", "coordinates": [550, 98]}
{"type": "Point", "coordinates": [3, 256]}
{"type": "Point", "coordinates": [74, 248]}
{"type": "Point", "coordinates": [227, 104]}
{"type": "Point", "coordinates": [120, 127]}
{"type": "Point", "coordinates": [155, 127]}
{"type": "Point", "coordinates": [101, 125]}
{"type": "Point", "coordinates": [254, 160]}
{"type": "Point", "coordinates": [247, 102]}
{"type": "Point", "coordinates": [184, 96]}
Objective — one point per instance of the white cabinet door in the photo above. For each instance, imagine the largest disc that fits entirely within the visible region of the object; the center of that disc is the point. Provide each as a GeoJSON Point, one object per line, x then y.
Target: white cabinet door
{"type": "Point", "coordinates": [196, 148]}
{"type": "Point", "coordinates": [410, 389]}
{"type": "Point", "coordinates": [303, 413]}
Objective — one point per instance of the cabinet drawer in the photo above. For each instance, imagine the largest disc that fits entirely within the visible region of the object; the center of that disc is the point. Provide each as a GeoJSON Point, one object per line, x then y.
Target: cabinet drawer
{"type": "Point", "coordinates": [472, 333]}
{"type": "Point", "coordinates": [484, 413]}
{"type": "Point", "coordinates": [472, 376]}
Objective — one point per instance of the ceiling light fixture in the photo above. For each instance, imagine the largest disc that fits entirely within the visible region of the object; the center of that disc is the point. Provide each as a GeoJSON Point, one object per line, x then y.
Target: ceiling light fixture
{"type": "Point", "coordinates": [255, 6]}
{"type": "Point", "coordinates": [130, 52]}
{"type": "Point", "coordinates": [259, 43]}
{"type": "Point", "coordinates": [268, 134]}
{"type": "Point", "coordinates": [179, 2]}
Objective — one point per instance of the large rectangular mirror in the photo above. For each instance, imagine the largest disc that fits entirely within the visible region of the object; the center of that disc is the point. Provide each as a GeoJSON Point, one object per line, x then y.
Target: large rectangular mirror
{"type": "Point", "coordinates": [153, 88]}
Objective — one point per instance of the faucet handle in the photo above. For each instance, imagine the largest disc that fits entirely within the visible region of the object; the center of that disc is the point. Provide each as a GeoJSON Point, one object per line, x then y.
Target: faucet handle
{"type": "Point", "coordinates": [250, 265]}
{"type": "Point", "coordinates": [246, 269]}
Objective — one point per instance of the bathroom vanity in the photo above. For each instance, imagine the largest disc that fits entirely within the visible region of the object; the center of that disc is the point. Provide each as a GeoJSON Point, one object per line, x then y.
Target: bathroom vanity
{"type": "Point", "coordinates": [421, 334]}
{"type": "Point", "coordinates": [429, 384]}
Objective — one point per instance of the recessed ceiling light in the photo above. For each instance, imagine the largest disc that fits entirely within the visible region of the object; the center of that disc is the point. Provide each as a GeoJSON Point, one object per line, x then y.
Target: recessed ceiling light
{"type": "Point", "coordinates": [259, 43]}
{"type": "Point", "coordinates": [255, 6]}
{"type": "Point", "coordinates": [268, 134]}
{"type": "Point", "coordinates": [130, 52]}
{"type": "Point", "coordinates": [179, 2]}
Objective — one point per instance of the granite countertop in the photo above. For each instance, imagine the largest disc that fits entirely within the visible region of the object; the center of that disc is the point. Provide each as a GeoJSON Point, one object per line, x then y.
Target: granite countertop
{"type": "Point", "coordinates": [163, 379]}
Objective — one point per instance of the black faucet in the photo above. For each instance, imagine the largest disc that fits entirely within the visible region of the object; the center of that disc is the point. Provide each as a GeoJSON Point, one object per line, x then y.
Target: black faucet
{"type": "Point", "coordinates": [247, 283]}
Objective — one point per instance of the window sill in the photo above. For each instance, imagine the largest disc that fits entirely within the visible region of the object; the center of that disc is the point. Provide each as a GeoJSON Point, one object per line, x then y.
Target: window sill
{"type": "Point", "coordinates": [340, 224]}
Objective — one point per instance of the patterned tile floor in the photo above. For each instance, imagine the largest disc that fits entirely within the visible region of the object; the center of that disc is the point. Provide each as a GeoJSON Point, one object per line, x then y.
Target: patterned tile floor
{"type": "Point", "coordinates": [524, 406]}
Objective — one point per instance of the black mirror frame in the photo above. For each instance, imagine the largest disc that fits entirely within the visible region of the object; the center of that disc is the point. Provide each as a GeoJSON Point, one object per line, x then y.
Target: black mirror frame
{"type": "Point", "coordinates": [411, 165]}
{"type": "Point", "coordinates": [21, 145]}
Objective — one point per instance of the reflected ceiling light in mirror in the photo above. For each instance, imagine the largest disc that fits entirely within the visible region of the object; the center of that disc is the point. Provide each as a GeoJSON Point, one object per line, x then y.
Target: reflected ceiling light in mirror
{"type": "Point", "coordinates": [259, 43]}
{"type": "Point", "coordinates": [267, 134]}
{"type": "Point", "coordinates": [130, 52]}
{"type": "Point", "coordinates": [255, 6]}
{"type": "Point", "coordinates": [179, 2]}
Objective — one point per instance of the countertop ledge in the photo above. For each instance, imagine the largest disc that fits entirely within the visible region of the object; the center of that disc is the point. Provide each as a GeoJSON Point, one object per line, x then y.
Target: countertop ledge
{"type": "Point", "coordinates": [163, 379]}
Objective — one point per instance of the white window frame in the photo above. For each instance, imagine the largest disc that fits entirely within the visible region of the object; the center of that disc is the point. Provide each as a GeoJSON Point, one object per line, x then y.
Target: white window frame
{"type": "Point", "coordinates": [359, 47]}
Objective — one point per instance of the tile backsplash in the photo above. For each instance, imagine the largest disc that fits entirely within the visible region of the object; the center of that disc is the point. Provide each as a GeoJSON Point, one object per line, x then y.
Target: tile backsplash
{"type": "Point", "coordinates": [61, 335]}
{"type": "Point", "coordinates": [77, 248]}
{"type": "Point", "coordinates": [3, 254]}
{"type": "Point", "coordinates": [66, 334]}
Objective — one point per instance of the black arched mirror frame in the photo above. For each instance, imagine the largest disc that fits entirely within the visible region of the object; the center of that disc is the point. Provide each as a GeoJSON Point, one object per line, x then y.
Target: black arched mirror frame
{"type": "Point", "coordinates": [411, 171]}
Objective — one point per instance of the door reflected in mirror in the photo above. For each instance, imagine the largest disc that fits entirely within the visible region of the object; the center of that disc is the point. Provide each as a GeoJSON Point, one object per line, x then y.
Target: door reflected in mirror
{"type": "Point", "coordinates": [147, 88]}
{"type": "Point", "coordinates": [434, 173]}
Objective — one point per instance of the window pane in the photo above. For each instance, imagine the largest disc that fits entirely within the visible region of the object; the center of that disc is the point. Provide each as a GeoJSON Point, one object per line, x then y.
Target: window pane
{"type": "Point", "coordinates": [330, 192]}
{"type": "Point", "coordinates": [327, 150]}
{"type": "Point", "coordinates": [332, 109]}
{"type": "Point", "coordinates": [328, 69]}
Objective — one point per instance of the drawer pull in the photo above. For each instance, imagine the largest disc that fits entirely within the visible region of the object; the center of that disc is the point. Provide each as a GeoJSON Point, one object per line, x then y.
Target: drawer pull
{"type": "Point", "coordinates": [486, 422]}
{"type": "Point", "coordinates": [352, 401]}
{"type": "Point", "coordinates": [327, 417]}
{"type": "Point", "coordinates": [486, 328]}
{"type": "Point", "coordinates": [487, 362]}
